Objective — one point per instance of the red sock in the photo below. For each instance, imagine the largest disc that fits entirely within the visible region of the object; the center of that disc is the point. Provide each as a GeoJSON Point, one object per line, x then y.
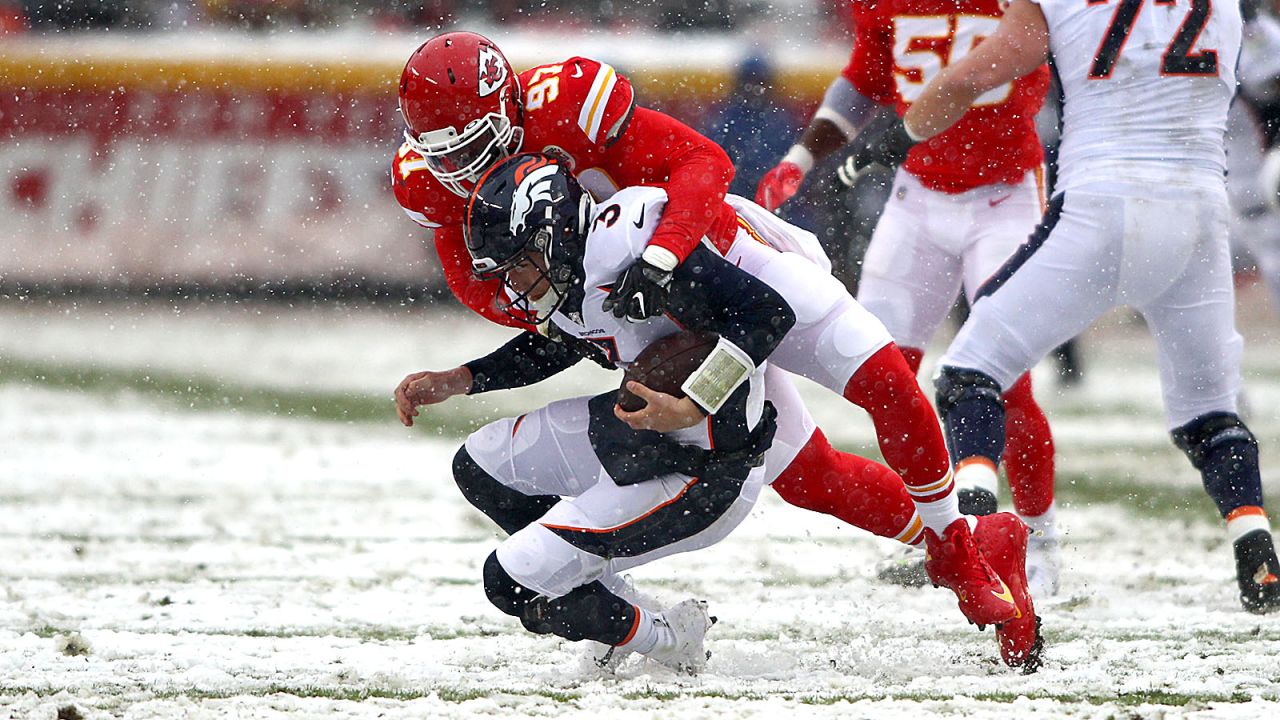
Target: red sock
{"type": "Point", "coordinates": [1028, 453]}
{"type": "Point", "coordinates": [913, 356]}
{"type": "Point", "coordinates": [906, 425]}
{"type": "Point", "coordinates": [859, 491]}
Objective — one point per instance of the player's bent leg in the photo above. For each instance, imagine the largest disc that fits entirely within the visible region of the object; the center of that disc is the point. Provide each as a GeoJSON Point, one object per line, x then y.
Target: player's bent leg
{"type": "Point", "coordinates": [972, 410]}
{"type": "Point", "coordinates": [911, 442]}
{"type": "Point", "coordinates": [586, 612]}
{"type": "Point", "coordinates": [859, 491]}
{"type": "Point", "coordinates": [592, 612]}
{"type": "Point", "coordinates": [1029, 463]}
{"type": "Point", "coordinates": [548, 564]}
{"type": "Point", "coordinates": [906, 429]}
{"type": "Point", "coordinates": [544, 452]}
{"type": "Point", "coordinates": [1225, 452]}
{"type": "Point", "coordinates": [510, 509]}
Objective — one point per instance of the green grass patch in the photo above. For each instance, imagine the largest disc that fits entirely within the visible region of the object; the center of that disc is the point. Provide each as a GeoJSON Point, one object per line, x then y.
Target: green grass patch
{"type": "Point", "coordinates": [210, 394]}
{"type": "Point", "coordinates": [1144, 499]}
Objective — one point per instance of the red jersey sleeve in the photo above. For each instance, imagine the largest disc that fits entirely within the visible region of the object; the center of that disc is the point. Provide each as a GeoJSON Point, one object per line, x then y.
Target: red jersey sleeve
{"type": "Point", "coordinates": [432, 206]}
{"type": "Point", "coordinates": [870, 68]}
{"type": "Point", "coordinates": [659, 150]}
{"type": "Point", "coordinates": [479, 295]}
{"type": "Point", "coordinates": [578, 106]}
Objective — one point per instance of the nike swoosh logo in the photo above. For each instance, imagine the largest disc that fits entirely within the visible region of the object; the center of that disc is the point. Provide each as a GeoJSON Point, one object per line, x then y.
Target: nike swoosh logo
{"type": "Point", "coordinates": [1007, 596]}
{"type": "Point", "coordinates": [997, 201]}
{"type": "Point", "coordinates": [640, 223]}
{"type": "Point", "coordinates": [577, 71]}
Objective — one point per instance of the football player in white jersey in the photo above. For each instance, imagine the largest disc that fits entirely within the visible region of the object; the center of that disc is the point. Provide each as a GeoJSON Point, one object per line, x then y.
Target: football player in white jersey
{"type": "Point", "coordinates": [530, 223]}
{"type": "Point", "coordinates": [1139, 218]}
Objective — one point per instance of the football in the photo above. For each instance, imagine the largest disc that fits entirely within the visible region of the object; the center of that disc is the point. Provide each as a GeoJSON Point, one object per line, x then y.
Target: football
{"type": "Point", "coordinates": [665, 364]}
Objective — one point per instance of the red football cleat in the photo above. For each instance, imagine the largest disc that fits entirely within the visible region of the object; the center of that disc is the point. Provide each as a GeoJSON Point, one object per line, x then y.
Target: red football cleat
{"type": "Point", "coordinates": [1002, 538]}
{"type": "Point", "coordinates": [954, 562]}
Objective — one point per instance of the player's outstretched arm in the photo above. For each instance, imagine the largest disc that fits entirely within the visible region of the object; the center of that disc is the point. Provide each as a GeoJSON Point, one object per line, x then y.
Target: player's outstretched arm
{"type": "Point", "coordinates": [429, 387]}
{"type": "Point", "coordinates": [524, 360]}
{"type": "Point", "coordinates": [843, 114]}
{"type": "Point", "coordinates": [1019, 45]}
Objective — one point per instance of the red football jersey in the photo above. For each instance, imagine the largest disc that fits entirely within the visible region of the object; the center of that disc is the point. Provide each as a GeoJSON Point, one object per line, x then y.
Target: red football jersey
{"type": "Point", "coordinates": [584, 112]}
{"type": "Point", "coordinates": [900, 45]}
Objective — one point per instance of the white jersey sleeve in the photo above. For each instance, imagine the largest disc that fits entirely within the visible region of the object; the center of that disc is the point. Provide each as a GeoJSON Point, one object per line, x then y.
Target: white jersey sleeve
{"type": "Point", "coordinates": [620, 229]}
{"type": "Point", "coordinates": [1146, 86]}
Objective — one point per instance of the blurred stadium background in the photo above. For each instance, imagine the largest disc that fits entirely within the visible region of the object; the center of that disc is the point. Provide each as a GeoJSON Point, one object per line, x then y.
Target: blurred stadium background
{"type": "Point", "coordinates": [213, 496]}
{"type": "Point", "coordinates": [243, 147]}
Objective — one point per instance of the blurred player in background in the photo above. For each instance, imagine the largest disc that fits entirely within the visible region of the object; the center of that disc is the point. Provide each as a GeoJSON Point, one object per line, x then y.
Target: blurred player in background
{"type": "Point", "coordinates": [1139, 218]}
{"type": "Point", "coordinates": [961, 205]}
{"type": "Point", "coordinates": [471, 110]}
{"type": "Point", "coordinates": [1251, 128]}
{"type": "Point", "coordinates": [751, 124]}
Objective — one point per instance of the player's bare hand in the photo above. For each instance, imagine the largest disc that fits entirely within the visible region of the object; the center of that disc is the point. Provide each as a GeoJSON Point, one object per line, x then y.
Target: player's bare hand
{"type": "Point", "coordinates": [778, 185]}
{"type": "Point", "coordinates": [661, 413]}
{"type": "Point", "coordinates": [428, 388]}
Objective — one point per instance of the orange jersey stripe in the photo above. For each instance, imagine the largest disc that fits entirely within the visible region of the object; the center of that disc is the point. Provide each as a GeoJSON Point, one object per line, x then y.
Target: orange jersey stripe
{"type": "Point", "coordinates": [632, 521]}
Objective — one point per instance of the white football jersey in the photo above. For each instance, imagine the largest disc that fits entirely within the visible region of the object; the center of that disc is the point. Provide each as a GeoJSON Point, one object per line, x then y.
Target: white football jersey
{"type": "Point", "coordinates": [1146, 87]}
{"type": "Point", "coordinates": [619, 231]}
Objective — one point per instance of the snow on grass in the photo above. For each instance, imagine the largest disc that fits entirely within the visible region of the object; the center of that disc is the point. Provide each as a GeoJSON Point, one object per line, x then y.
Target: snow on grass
{"type": "Point", "coordinates": [232, 560]}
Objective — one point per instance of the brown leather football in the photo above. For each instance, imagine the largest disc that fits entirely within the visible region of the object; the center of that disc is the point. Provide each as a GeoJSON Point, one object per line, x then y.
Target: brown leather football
{"type": "Point", "coordinates": [665, 364]}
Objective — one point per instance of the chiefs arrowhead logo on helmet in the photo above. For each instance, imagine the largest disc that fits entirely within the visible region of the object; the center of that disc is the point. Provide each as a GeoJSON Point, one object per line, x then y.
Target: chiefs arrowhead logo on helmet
{"type": "Point", "coordinates": [493, 71]}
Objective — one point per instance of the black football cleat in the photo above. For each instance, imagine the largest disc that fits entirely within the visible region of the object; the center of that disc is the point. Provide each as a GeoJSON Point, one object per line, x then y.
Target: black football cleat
{"type": "Point", "coordinates": [976, 501]}
{"type": "Point", "coordinates": [1258, 572]}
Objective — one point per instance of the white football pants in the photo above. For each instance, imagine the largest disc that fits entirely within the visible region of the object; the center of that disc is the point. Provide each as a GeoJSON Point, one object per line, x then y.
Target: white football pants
{"type": "Point", "coordinates": [929, 244]}
{"type": "Point", "coordinates": [1162, 250]}
{"type": "Point", "coordinates": [548, 452]}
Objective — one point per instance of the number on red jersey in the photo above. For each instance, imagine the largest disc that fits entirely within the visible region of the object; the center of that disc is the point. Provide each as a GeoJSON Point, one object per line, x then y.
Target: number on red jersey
{"type": "Point", "coordinates": [925, 44]}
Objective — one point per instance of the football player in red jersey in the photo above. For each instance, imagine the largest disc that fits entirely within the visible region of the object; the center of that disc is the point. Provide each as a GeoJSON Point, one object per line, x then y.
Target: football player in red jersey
{"type": "Point", "coordinates": [962, 203]}
{"type": "Point", "coordinates": [465, 108]}
{"type": "Point", "coordinates": [584, 110]}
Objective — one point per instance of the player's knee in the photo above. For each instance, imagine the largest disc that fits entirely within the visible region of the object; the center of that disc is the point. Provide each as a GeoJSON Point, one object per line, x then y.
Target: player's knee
{"type": "Point", "coordinates": [502, 590]}
{"type": "Point", "coordinates": [586, 612]}
{"type": "Point", "coordinates": [1211, 436]}
{"type": "Point", "coordinates": [510, 509]}
{"type": "Point", "coordinates": [960, 386]}
{"type": "Point", "coordinates": [1225, 452]}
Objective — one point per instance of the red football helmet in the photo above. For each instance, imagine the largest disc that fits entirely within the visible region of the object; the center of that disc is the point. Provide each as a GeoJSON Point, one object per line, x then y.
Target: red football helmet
{"type": "Point", "coordinates": [461, 102]}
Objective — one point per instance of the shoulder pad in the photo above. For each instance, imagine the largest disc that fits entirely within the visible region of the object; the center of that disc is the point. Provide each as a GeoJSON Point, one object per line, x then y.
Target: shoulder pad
{"type": "Point", "coordinates": [424, 199]}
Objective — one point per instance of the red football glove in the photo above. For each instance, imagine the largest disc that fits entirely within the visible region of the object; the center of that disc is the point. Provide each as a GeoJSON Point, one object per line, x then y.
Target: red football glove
{"type": "Point", "coordinates": [778, 185]}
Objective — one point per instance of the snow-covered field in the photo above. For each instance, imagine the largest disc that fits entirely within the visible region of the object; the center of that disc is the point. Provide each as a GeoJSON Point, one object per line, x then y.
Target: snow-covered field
{"type": "Point", "coordinates": [211, 512]}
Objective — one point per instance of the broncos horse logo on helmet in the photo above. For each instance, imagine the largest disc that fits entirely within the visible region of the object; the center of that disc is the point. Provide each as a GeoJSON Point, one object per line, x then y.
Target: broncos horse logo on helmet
{"type": "Point", "coordinates": [528, 209]}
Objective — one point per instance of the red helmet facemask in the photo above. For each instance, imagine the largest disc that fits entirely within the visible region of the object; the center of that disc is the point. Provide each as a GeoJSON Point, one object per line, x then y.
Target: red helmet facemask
{"type": "Point", "coordinates": [461, 104]}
